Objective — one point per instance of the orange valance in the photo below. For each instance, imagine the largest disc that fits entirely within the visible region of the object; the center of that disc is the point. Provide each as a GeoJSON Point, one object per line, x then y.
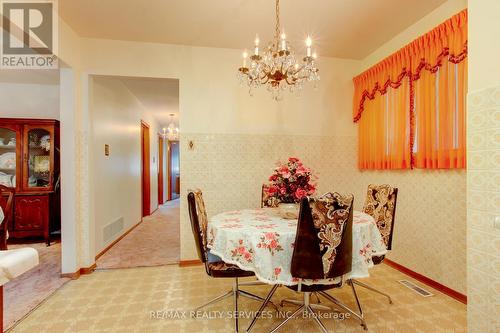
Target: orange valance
{"type": "Point", "coordinates": [446, 42]}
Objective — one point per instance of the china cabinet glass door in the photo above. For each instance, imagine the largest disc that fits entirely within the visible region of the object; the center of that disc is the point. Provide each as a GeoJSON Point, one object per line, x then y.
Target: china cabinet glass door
{"type": "Point", "coordinates": [8, 156]}
{"type": "Point", "coordinates": [38, 158]}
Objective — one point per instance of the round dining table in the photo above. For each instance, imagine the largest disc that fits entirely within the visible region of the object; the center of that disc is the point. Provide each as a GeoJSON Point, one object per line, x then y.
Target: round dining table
{"type": "Point", "coordinates": [260, 240]}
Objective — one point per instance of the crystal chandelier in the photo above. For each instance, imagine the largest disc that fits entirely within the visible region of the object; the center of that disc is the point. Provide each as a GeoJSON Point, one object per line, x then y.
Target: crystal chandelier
{"type": "Point", "coordinates": [277, 68]}
{"type": "Point", "coordinates": [171, 132]}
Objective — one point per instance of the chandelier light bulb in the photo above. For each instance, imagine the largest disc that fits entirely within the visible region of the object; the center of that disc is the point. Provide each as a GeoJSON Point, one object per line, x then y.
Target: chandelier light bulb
{"type": "Point", "coordinates": [314, 55]}
{"type": "Point", "coordinates": [308, 41]}
{"type": "Point", "coordinates": [245, 55]}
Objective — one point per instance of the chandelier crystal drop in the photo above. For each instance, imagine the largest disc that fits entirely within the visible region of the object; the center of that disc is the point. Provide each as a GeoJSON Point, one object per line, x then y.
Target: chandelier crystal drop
{"type": "Point", "coordinates": [277, 67]}
{"type": "Point", "coordinates": [171, 132]}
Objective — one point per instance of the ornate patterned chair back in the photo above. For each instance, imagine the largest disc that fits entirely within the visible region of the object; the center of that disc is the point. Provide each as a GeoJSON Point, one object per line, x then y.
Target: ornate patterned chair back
{"type": "Point", "coordinates": [323, 244]}
{"type": "Point", "coordinates": [266, 199]}
{"type": "Point", "coordinates": [381, 205]}
{"type": "Point", "coordinates": [199, 222]}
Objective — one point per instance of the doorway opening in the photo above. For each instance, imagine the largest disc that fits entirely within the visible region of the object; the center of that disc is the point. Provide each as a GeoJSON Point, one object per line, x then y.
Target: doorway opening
{"type": "Point", "coordinates": [134, 226]}
{"type": "Point", "coordinates": [173, 170]}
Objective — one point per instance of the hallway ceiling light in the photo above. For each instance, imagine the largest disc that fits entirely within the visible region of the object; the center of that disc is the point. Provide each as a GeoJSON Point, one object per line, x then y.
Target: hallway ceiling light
{"type": "Point", "coordinates": [171, 132]}
{"type": "Point", "coordinates": [277, 68]}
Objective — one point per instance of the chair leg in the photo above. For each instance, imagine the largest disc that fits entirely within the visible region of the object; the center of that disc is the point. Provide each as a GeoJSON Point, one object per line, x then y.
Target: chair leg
{"type": "Point", "coordinates": [316, 318]}
{"type": "Point", "coordinates": [235, 297]}
{"type": "Point", "coordinates": [218, 298]}
{"type": "Point", "coordinates": [344, 307]}
{"type": "Point", "coordinates": [356, 297]}
{"type": "Point", "coordinates": [267, 300]}
{"type": "Point", "coordinates": [256, 298]}
{"type": "Point", "coordinates": [361, 284]}
{"type": "Point", "coordinates": [312, 305]}
{"type": "Point", "coordinates": [299, 310]}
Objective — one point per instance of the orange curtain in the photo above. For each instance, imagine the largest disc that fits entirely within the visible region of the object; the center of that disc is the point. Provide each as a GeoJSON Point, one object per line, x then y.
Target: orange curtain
{"type": "Point", "coordinates": [411, 106]}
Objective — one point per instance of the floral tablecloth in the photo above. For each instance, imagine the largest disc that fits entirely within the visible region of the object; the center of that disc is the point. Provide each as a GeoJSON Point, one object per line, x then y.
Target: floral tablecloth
{"type": "Point", "coordinates": [261, 241]}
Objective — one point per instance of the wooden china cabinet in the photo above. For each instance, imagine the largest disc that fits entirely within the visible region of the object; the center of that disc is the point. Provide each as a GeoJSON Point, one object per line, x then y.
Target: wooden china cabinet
{"type": "Point", "coordinates": [29, 162]}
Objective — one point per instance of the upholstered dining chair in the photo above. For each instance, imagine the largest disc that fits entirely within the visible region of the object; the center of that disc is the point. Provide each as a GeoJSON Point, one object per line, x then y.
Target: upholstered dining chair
{"type": "Point", "coordinates": [381, 205]}
{"type": "Point", "coordinates": [7, 201]}
{"type": "Point", "coordinates": [322, 250]}
{"type": "Point", "coordinates": [216, 268]}
{"type": "Point", "coordinates": [266, 199]}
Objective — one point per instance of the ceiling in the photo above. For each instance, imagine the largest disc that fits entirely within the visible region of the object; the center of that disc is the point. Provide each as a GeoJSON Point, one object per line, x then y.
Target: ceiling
{"type": "Point", "coordinates": [340, 28]}
{"type": "Point", "coordinates": [158, 96]}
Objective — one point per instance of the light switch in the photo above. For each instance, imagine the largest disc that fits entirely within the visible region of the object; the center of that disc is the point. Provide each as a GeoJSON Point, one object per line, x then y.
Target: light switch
{"type": "Point", "coordinates": [496, 223]}
{"type": "Point", "coordinates": [106, 150]}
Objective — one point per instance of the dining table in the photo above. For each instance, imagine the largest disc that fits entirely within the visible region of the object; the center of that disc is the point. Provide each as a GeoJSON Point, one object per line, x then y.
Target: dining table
{"type": "Point", "coordinates": [262, 241]}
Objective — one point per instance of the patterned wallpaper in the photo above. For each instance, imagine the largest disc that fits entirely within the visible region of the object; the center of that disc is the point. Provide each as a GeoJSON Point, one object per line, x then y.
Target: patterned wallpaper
{"type": "Point", "coordinates": [430, 218]}
{"type": "Point", "coordinates": [483, 204]}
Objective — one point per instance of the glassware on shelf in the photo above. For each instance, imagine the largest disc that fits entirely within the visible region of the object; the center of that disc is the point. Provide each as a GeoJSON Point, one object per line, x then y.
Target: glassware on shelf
{"type": "Point", "coordinates": [39, 158]}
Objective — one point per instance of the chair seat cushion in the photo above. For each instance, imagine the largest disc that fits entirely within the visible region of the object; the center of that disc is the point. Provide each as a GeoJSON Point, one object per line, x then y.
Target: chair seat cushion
{"type": "Point", "coordinates": [315, 287]}
{"type": "Point", "coordinates": [223, 269]}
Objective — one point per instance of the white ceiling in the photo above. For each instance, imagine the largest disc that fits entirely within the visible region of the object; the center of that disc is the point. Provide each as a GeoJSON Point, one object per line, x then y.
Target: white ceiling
{"type": "Point", "coordinates": [158, 96]}
{"type": "Point", "coordinates": [340, 28]}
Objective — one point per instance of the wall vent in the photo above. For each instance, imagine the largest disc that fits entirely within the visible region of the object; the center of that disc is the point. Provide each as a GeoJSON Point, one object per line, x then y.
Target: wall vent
{"type": "Point", "coordinates": [419, 290]}
{"type": "Point", "coordinates": [112, 229]}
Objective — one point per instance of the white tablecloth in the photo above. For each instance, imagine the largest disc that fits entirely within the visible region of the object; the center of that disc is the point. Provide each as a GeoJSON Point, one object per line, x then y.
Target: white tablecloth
{"type": "Point", "coordinates": [259, 240]}
{"type": "Point", "coordinates": [1, 216]}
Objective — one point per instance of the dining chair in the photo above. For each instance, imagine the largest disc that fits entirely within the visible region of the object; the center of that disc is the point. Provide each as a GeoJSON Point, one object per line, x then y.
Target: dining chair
{"type": "Point", "coordinates": [381, 205]}
{"type": "Point", "coordinates": [7, 196]}
{"type": "Point", "coordinates": [322, 250]}
{"type": "Point", "coordinates": [217, 268]}
{"type": "Point", "coordinates": [266, 199]}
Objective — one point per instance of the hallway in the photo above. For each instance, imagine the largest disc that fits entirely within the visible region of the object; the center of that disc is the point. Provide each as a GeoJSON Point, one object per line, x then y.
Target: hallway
{"type": "Point", "coordinates": [154, 242]}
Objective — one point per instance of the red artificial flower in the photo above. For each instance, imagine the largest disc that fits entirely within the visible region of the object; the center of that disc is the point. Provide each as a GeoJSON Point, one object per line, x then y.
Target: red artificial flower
{"type": "Point", "coordinates": [272, 190]}
{"type": "Point", "coordinates": [293, 159]}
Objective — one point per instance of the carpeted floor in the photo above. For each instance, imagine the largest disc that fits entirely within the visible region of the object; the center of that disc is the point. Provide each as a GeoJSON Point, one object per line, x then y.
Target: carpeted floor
{"type": "Point", "coordinates": [154, 242]}
{"type": "Point", "coordinates": [25, 292]}
{"type": "Point", "coordinates": [156, 299]}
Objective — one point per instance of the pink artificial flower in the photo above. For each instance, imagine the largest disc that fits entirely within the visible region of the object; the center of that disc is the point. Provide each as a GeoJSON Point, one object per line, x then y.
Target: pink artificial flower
{"type": "Point", "coordinates": [277, 271]}
{"type": "Point", "coordinates": [247, 256]}
{"type": "Point", "coordinates": [283, 190]}
{"type": "Point", "coordinates": [269, 235]}
{"type": "Point", "coordinates": [273, 244]}
{"type": "Point", "coordinates": [300, 193]}
{"type": "Point", "coordinates": [293, 159]}
{"type": "Point", "coordinates": [301, 170]}
{"type": "Point", "coordinates": [241, 250]}
{"type": "Point", "coordinates": [284, 172]}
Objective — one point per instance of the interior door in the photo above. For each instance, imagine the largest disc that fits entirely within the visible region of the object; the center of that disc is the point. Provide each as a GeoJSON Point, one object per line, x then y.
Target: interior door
{"type": "Point", "coordinates": [161, 144]}
{"type": "Point", "coordinates": [146, 171]}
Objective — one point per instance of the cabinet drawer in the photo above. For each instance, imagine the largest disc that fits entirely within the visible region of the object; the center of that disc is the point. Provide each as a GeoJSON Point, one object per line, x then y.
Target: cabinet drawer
{"type": "Point", "coordinates": [32, 212]}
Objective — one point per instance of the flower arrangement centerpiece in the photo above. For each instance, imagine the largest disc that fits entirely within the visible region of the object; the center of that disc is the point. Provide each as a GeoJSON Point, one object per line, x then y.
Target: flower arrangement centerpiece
{"type": "Point", "coordinates": [289, 183]}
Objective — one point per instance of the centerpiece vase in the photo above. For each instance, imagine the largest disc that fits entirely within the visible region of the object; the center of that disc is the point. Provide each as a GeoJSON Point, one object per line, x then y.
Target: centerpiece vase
{"type": "Point", "coordinates": [289, 211]}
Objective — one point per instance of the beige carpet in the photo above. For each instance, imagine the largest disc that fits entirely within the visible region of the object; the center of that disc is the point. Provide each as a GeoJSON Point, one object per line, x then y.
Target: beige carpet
{"type": "Point", "coordinates": [25, 292]}
{"type": "Point", "coordinates": [144, 300]}
{"type": "Point", "coordinates": [155, 242]}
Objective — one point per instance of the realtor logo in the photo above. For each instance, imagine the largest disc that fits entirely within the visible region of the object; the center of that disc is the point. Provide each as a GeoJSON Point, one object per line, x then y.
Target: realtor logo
{"type": "Point", "coordinates": [29, 36]}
